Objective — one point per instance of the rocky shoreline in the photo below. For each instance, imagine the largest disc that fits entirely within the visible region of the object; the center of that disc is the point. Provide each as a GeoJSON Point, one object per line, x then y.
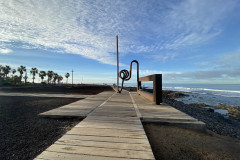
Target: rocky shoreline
{"type": "Point", "coordinates": [214, 121]}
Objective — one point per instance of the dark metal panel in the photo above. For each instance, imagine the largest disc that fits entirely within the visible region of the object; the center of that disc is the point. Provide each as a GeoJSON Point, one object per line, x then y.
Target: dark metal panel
{"type": "Point", "coordinates": [156, 97]}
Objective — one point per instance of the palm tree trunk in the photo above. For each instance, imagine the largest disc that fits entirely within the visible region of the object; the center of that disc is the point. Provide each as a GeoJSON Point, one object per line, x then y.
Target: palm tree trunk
{"type": "Point", "coordinates": [21, 78]}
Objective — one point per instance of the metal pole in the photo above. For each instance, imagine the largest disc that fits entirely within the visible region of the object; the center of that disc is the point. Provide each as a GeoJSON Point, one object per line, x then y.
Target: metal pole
{"type": "Point", "coordinates": [117, 65]}
{"type": "Point", "coordinates": [72, 77]}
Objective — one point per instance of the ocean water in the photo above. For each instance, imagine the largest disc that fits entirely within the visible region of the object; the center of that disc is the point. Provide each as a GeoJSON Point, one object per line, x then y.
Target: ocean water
{"type": "Point", "coordinates": [210, 94]}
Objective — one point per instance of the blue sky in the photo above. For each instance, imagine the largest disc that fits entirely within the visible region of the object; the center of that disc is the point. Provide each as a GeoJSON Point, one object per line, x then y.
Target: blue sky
{"type": "Point", "coordinates": [188, 41]}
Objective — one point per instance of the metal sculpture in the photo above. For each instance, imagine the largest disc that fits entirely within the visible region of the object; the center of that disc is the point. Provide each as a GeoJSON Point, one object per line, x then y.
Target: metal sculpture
{"type": "Point", "coordinates": [126, 75]}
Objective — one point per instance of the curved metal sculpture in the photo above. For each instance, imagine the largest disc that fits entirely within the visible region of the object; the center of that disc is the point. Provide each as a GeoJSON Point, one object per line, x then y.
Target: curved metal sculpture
{"type": "Point", "coordinates": [125, 75]}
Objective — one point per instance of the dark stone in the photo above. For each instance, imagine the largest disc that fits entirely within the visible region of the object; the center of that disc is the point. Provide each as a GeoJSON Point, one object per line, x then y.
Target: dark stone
{"type": "Point", "coordinates": [209, 109]}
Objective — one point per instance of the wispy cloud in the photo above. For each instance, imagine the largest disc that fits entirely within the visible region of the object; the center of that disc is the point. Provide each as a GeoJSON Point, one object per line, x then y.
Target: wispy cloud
{"type": "Point", "coordinates": [88, 28]}
{"type": "Point", "coordinates": [5, 50]}
{"type": "Point", "coordinates": [230, 61]}
{"type": "Point", "coordinates": [163, 56]}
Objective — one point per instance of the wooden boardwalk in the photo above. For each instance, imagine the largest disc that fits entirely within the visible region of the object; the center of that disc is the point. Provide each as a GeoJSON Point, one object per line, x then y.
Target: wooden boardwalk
{"type": "Point", "coordinates": [112, 128]}
{"type": "Point", "coordinates": [164, 113]}
{"type": "Point", "coordinates": [112, 131]}
{"type": "Point", "coordinates": [78, 109]}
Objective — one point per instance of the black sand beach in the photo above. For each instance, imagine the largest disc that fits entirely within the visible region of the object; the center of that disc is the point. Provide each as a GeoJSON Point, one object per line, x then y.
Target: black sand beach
{"type": "Point", "coordinates": [87, 89]}
{"type": "Point", "coordinates": [23, 135]}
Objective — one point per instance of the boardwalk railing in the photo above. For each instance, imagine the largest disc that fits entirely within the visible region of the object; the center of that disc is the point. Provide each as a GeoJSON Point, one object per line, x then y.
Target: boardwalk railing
{"type": "Point", "coordinates": [156, 96]}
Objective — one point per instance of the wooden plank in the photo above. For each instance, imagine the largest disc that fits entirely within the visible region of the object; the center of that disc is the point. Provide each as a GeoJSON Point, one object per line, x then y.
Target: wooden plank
{"type": "Point", "coordinates": [106, 152]}
{"type": "Point", "coordinates": [147, 78]}
{"type": "Point", "coordinates": [46, 155]}
{"type": "Point", "coordinates": [111, 145]}
{"type": "Point", "coordinates": [78, 109]}
{"type": "Point", "coordinates": [104, 139]}
{"type": "Point", "coordinates": [146, 95]}
{"type": "Point", "coordinates": [86, 131]}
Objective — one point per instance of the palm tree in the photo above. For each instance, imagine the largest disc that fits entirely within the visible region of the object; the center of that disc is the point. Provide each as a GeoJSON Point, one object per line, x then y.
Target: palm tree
{"type": "Point", "coordinates": [50, 75]}
{"type": "Point", "coordinates": [1, 74]}
{"type": "Point", "coordinates": [21, 70]}
{"type": "Point", "coordinates": [55, 77]}
{"type": "Point", "coordinates": [16, 79]}
{"type": "Point", "coordinates": [59, 78]}
{"type": "Point", "coordinates": [42, 74]}
{"type": "Point", "coordinates": [1, 68]}
{"type": "Point", "coordinates": [33, 72]}
{"type": "Point", "coordinates": [25, 78]}
{"type": "Point", "coordinates": [13, 72]}
{"type": "Point", "coordinates": [67, 75]}
{"type": "Point", "coordinates": [6, 70]}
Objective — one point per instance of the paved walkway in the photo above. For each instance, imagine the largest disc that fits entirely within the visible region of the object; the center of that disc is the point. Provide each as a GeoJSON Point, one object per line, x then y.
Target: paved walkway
{"type": "Point", "coordinates": [52, 95]}
{"type": "Point", "coordinates": [112, 131]}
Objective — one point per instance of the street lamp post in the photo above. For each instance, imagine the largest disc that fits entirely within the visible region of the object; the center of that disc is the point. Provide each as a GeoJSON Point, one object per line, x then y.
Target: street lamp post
{"type": "Point", "coordinates": [117, 65]}
{"type": "Point", "coordinates": [72, 78]}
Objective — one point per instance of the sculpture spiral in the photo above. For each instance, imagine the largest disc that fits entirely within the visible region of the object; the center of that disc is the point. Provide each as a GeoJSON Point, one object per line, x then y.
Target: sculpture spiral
{"type": "Point", "coordinates": [125, 75]}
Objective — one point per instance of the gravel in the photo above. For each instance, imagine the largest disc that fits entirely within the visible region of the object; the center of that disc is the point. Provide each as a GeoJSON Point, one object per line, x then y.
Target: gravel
{"type": "Point", "coordinates": [23, 135]}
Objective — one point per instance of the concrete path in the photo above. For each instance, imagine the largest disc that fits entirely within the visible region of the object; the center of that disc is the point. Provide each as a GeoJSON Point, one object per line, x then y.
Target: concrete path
{"type": "Point", "coordinates": [112, 131]}
{"type": "Point", "coordinates": [78, 109]}
{"type": "Point", "coordinates": [43, 95]}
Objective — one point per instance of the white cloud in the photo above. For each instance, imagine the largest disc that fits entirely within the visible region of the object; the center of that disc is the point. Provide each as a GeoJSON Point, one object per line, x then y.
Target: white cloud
{"type": "Point", "coordinates": [88, 28]}
{"type": "Point", "coordinates": [224, 69]}
{"type": "Point", "coordinates": [5, 50]}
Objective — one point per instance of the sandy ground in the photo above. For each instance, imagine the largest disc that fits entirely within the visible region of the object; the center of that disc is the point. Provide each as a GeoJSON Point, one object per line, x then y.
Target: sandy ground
{"type": "Point", "coordinates": [173, 143]}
